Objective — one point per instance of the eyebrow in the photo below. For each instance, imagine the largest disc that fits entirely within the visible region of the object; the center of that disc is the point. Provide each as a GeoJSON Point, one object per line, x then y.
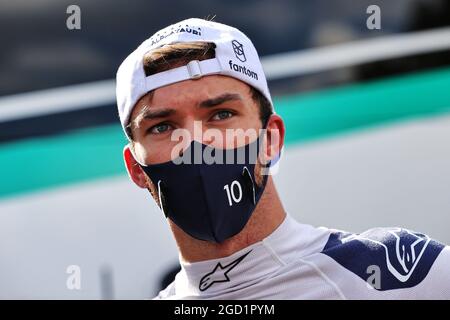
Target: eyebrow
{"type": "Point", "coordinates": [209, 103]}
{"type": "Point", "coordinates": [149, 114]}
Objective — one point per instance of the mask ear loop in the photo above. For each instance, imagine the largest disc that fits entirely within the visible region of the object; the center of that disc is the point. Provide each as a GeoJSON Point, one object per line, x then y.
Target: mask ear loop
{"type": "Point", "coordinates": [162, 198]}
{"type": "Point", "coordinates": [249, 182]}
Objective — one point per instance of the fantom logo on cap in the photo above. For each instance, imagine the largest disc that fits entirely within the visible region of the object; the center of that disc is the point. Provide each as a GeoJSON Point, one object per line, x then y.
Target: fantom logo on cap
{"type": "Point", "coordinates": [238, 49]}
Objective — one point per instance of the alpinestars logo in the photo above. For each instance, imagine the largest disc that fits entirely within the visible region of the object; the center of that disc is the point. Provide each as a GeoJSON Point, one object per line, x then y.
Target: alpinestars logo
{"type": "Point", "coordinates": [219, 273]}
{"type": "Point", "coordinates": [238, 49]}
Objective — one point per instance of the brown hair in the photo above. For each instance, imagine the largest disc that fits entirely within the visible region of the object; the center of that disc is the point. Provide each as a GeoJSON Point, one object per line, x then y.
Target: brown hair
{"type": "Point", "coordinates": [179, 54]}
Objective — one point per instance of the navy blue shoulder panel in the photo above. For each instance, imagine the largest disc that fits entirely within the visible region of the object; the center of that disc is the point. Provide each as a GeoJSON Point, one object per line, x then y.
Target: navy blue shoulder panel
{"type": "Point", "coordinates": [401, 257]}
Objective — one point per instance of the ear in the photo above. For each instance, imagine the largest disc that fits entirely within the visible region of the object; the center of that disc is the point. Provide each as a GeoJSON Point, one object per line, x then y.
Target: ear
{"type": "Point", "coordinates": [274, 137]}
{"type": "Point", "coordinates": [135, 171]}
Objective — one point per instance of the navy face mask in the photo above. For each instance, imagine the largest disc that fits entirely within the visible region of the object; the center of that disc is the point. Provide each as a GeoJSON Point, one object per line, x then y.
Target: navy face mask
{"type": "Point", "coordinates": [212, 193]}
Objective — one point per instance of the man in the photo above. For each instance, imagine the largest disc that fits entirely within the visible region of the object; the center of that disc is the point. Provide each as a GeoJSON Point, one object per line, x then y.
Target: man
{"type": "Point", "coordinates": [192, 99]}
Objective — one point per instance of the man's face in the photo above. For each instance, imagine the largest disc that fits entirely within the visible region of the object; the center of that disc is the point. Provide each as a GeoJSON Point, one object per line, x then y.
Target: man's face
{"type": "Point", "coordinates": [209, 106]}
{"type": "Point", "coordinates": [212, 105]}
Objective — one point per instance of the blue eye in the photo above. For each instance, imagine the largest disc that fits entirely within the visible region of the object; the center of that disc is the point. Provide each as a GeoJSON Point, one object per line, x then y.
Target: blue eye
{"type": "Point", "coordinates": [159, 128]}
{"type": "Point", "coordinates": [221, 115]}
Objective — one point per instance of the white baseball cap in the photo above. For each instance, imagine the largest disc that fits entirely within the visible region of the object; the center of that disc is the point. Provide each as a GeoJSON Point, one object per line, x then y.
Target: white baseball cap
{"type": "Point", "coordinates": [235, 56]}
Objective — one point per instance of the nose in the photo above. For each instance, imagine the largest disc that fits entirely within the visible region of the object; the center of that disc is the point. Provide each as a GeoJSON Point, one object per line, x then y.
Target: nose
{"type": "Point", "coordinates": [199, 132]}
